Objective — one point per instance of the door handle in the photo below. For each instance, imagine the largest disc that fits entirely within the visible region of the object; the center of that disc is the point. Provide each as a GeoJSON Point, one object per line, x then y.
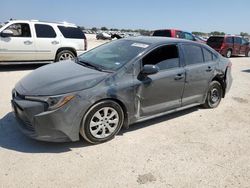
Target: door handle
{"type": "Point", "coordinates": [55, 42]}
{"type": "Point", "coordinates": [209, 69]}
{"type": "Point", "coordinates": [179, 76]}
{"type": "Point", "coordinates": [27, 42]}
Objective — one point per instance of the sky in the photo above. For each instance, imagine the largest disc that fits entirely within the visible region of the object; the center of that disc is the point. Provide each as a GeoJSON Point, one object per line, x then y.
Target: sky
{"type": "Point", "coordinates": [229, 16]}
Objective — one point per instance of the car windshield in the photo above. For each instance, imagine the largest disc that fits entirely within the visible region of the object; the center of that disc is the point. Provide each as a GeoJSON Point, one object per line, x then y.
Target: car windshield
{"type": "Point", "coordinates": [3, 24]}
{"type": "Point", "coordinates": [113, 55]}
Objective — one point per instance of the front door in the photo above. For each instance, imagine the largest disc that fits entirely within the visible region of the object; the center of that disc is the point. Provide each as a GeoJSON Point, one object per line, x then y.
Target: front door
{"type": "Point", "coordinates": [20, 46]}
{"type": "Point", "coordinates": [162, 91]}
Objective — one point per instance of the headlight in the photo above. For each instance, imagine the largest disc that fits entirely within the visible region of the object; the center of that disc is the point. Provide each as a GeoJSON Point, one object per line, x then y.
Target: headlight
{"type": "Point", "coordinates": [53, 102]}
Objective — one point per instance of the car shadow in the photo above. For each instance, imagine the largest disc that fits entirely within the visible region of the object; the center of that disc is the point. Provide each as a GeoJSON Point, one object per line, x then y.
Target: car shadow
{"type": "Point", "coordinates": [247, 71]}
{"type": "Point", "coordinates": [157, 120]}
{"type": "Point", "coordinates": [21, 67]}
{"type": "Point", "coordinates": [12, 138]}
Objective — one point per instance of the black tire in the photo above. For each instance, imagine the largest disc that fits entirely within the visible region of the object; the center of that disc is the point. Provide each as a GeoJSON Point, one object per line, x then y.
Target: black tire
{"type": "Point", "coordinates": [248, 53]}
{"type": "Point", "coordinates": [87, 132]}
{"type": "Point", "coordinates": [228, 53]}
{"type": "Point", "coordinates": [66, 53]}
{"type": "Point", "coordinates": [214, 95]}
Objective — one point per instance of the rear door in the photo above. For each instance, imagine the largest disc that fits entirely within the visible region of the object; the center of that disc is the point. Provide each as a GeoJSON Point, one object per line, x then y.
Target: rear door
{"type": "Point", "coordinates": [237, 45]}
{"type": "Point", "coordinates": [244, 46]}
{"type": "Point", "coordinates": [47, 42]}
{"type": "Point", "coordinates": [162, 91]}
{"type": "Point", "coordinates": [199, 67]}
{"type": "Point", "coordinates": [20, 46]}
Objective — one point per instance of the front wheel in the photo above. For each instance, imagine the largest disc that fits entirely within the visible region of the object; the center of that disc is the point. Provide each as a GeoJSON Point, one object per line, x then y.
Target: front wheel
{"type": "Point", "coordinates": [214, 95]}
{"type": "Point", "coordinates": [229, 53]}
{"type": "Point", "coordinates": [102, 122]}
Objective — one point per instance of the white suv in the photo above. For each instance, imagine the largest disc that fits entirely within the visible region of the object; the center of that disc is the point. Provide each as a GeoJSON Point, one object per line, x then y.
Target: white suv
{"type": "Point", "coordinates": [35, 41]}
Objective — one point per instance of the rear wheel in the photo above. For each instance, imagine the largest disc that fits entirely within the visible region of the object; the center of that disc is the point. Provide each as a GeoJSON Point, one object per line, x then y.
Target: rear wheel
{"type": "Point", "coordinates": [214, 95]}
{"type": "Point", "coordinates": [65, 55]}
{"type": "Point", "coordinates": [229, 53]}
{"type": "Point", "coordinates": [102, 122]}
{"type": "Point", "coordinates": [248, 53]}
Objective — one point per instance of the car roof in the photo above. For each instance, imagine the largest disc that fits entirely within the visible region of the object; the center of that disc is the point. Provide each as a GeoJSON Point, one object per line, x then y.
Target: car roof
{"type": "Point", "coordinates": [46, 22]}
{"type": "Point", "coordinates": [158, 40]}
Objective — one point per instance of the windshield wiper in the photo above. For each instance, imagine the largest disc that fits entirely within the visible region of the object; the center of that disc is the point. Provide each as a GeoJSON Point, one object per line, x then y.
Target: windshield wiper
{"type": "Point", "coordinates": [90, 65]}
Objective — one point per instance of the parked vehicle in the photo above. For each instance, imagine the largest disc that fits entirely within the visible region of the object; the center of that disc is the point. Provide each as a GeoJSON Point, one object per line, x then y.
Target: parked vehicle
{"type": "Point", "coordinates": [23, 41]}
{"type": "Point", "coordinates": [103, 36]}
{"type": "Point", "coordinates": [229, 45]}
{"type": "Point", "coordinates": [176, 34]}
{"type": "Point", "coordinates": [117, 84]}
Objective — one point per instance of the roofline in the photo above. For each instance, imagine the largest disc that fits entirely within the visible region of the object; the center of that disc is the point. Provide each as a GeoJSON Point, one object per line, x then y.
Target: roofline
{"type": "Point", "coordinates": [52, 22]}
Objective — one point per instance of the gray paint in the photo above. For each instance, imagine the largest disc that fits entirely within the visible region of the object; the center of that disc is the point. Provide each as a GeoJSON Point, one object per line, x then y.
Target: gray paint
{"type": "Point", "coordinates": [143, 98]}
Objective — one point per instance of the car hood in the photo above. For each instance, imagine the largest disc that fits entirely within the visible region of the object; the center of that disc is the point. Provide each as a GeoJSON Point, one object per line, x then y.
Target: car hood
{"type": "Point", "coordinates": [59, 78]}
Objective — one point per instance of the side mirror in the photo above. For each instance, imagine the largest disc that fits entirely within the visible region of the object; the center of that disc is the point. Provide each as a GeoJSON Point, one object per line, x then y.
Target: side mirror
{"type": "Point", "coordinates": [7, 33]}
{"type": "Point", "coordinates": [150, 69]}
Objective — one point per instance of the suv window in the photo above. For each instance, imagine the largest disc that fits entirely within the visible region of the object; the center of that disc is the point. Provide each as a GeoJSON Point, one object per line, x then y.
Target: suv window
{"type": "Point", "coordinates": [72, 32]}
{"type": "Point", "coordinates": [188, 36]}
{"type": "Point", "coordinates": [165, 57]}
{"type": "Point", "coordinates": [244, 42]}
{"type": "Point", "coordinates": [208, 56]}
{"type": "Point", "coordinates": [229, 40]}
{"type": "Point", "coordinates": [162, 33]}
{"type": "Point", "coordinates": [20, 30]}
{"type": "Point", "coordinates": [44, 31]}
{"type": "Point", "coordinates": [237, 40]}
{"type": "Point", "coordinates": [193, 54]}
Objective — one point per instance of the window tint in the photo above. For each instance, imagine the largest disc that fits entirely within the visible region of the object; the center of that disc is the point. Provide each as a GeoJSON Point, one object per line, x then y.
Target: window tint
{"type": "Point", "coordinates": [237, 40]}
{"type": "Point", "coordinates": [162, 33]}
{"type": "Point", "coordinates": [44, 31]}
{"type": "Point", "coordinates": [72, 32]}
{"type": "Point", "coordinates": [165, 57]}
{"type": "Point", "coordinates": [188, 36]}
{"type": "Point", "coordinates": [208, 56]}
{"type": "Point", "coordinates": [179, 34]}
{"type": "Point", "coordinates": [20, 30]}
{"type": "Point", "coordinates": [229, 40]}
{"type": "Point", "coordinates": [193, 54]}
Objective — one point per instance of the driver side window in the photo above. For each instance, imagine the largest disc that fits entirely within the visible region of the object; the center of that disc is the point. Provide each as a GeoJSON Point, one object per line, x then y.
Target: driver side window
{"type": "Point", "coordinates": [165, 57]}
{"type": "Point", "coordinates": [20, 30]}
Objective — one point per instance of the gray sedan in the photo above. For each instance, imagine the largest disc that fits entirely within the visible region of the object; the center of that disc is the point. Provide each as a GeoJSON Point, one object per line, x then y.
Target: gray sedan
{"type": "Point", "coordinates": [117, 84]}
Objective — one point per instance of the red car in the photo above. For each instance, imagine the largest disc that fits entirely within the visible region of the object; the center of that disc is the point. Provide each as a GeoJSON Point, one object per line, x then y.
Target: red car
{"type": "Point", "coordinates": [174, 33]}
{"type": "Point", "coordinates": [229, 45]}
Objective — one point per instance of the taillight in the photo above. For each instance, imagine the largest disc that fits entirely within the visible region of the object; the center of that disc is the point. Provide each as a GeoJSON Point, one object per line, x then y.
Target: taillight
{"type": "Point", "coordinates": [222, 46]}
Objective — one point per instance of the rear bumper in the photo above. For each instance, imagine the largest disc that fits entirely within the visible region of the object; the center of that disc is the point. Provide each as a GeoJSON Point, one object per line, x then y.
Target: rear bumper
{"type": "Point", "coordinates": [52, 126]}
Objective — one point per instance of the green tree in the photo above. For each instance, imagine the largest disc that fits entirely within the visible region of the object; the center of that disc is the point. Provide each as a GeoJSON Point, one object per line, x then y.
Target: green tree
{"type": "Point", "coordinates": [217, 33]}
{"type": "Point", "coordinates": [243, 34]}
{"type": "Point", "coordinates": [104, 28]}
{"type": "Point", "coordinates": [94, 29]}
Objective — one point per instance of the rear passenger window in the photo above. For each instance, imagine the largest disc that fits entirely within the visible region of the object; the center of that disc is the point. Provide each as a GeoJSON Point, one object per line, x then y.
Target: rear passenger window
{"type": "Point", "coordinates": [72, 32]}
{"type": "Point", "coordinates": [237, 40]}
{"type": "Point", "coordinates": [208, 56]}
{"type": "Point", "coordinates": [165, 57]}
{"type": "Point", "coordinates": [193, 54]}
{"type": "Point", "coordinates": [44, 31]}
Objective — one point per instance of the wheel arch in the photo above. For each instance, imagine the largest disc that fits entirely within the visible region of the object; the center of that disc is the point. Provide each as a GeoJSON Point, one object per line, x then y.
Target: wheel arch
{"type": "Point", "coordinates": [221, 80]}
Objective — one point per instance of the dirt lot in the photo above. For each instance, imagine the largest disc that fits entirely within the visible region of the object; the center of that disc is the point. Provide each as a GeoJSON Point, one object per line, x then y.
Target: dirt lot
{"type": "Point", "coordinates": [192, 148]}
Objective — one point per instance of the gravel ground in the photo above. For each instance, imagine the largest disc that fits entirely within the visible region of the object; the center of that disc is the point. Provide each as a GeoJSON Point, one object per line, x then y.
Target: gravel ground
{"type": "Point", "coordinates": [192, 148]}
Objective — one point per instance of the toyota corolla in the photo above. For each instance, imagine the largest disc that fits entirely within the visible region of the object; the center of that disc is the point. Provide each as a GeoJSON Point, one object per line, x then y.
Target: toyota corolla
{"type": "Point", "coordinates": [117, 84]}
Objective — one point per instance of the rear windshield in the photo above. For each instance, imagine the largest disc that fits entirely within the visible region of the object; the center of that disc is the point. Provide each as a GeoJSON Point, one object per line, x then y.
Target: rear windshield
{"type": "Point", "coordinates": [215, 40]}
{"type": "Point", "coordinates": [72, 32]}
{"type": "Point", "coordinates": [162, 33]}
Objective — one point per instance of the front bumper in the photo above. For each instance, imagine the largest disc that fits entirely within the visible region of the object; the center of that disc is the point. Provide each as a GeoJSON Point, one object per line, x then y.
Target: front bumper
{"type": "Point", "coordinates": [60, 125]}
